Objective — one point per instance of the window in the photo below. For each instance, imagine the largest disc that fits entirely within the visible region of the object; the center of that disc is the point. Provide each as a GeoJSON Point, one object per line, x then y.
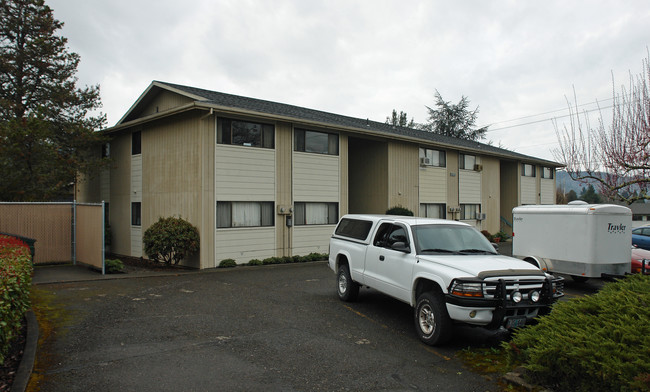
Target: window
{"type": "Point", "coordinates": [315, 213]}
{"type": "Point", "coordinates": [354, 228]}
{"type": "Point", "coordinates": [547, 172]}
{"type": "Point", "coordinates": [244, 214]}
{"type": "Point", "coordinates": [433, 211]}
{"type": "Point", "coordinates": [388, 234]}
{"type": "Point", "coordinates": [136, 143]}
{"type": "Point", "coordinates": [469, 211]}
{"type": "Point", "coordinates": [136, 212]}
{"type": "Point", "coordinates": [244, 133]}
{"type": "Point", "coordinates": [106, 150]}
{"type": "Point", "coordinates": [435, 157]}
{"type": "Point", "coordinates": [527, 170]}
{"type": "Point", "coordinates": [316, 142]}
{"type": "Point", "coordinates": [467, 162]}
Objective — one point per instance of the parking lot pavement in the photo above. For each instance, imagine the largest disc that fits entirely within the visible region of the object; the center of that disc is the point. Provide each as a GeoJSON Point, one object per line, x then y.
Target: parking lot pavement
{"type": "Point", "coordinates": [272, 328]}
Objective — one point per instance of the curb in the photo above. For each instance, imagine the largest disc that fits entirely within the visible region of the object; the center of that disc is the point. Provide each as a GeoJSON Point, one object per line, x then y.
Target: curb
{"type": "Point", "coordinates": [516, 378]}
{"type": "Point", "coordinates": [29, 354]}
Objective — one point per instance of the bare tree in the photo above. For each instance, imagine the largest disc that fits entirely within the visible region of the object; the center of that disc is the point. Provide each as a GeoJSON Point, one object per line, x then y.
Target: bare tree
{"type": "Point", "coordinates": [617, 157]}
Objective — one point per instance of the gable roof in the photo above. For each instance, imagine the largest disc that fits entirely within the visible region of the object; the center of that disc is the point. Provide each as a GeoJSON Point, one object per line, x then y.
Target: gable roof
{"type": "Point", "coordinates": [207, 99]}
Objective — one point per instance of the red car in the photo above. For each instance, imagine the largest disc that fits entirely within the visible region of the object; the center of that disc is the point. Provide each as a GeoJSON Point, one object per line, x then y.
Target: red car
{"type": "Point", "coordinates": [640, 256]}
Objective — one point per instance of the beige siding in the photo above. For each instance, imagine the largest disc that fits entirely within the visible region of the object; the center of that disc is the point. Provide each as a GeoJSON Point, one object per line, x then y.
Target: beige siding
{"type": "Point", "coordinates": [509, 188]}
{"type": "Point", "coordinates": [528, 190]}
{"type": "Point", "coordinates": [244, 173]}
{"type": "Point", "coordinates": [245, 244]}
{"type": "Point", "coordinates": [165, 100]}
{"type": "Point", "coordinates": [433, 185]}
{"type": "Point", "coordinates": [491, 194]}
{"type": "Point", "coordinates": [171, 155]}
{"type": "Point", "coordinates": [368, 182]}
{"type": "Point", "coordinates": [284, 153]}
{"type": "Point", "coordinates": [315, 177]}
{"type": "Point", "coordinates": [136, 178]}
{"type": "Point", "coordinates": [343, 176]}
{"type": "Point", "coordinates": [469, 187]}
{"type": "Point", "coordinates": [120, 208]}
{"type": "Point", "coordinates": [308, 239]}
{"type": "Point", "coordinates": [452, 182]}
{"type": "Point", "coordinates": [403, 175]}
{"type": "Point", "coordinates": [548, 191]}
{"type": "Point", "coordinates": [89, 235]}
{"type": "Point", "coordinates": [207, 210]}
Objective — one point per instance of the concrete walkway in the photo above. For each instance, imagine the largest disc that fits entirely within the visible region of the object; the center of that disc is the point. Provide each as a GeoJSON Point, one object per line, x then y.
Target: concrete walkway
{"type": "Point", "coordinates": [64, 273]}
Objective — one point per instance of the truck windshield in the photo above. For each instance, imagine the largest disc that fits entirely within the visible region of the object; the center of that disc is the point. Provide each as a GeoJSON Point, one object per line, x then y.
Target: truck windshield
{"type": "Point", "coordinates": [450, 239]}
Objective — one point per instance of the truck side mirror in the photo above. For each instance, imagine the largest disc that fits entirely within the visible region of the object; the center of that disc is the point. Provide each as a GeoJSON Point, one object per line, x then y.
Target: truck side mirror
{"type": "Point", "coordinates": [401, 247]}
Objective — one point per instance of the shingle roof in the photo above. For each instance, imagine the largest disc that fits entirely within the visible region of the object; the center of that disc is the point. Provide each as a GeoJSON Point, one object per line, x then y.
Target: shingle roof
{"type": "Point", "coordinates": [301, 113]}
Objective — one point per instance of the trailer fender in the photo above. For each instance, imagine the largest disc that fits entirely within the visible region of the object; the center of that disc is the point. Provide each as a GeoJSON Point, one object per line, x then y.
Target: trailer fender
{"type": "Point", "coordinates": [539, 262]}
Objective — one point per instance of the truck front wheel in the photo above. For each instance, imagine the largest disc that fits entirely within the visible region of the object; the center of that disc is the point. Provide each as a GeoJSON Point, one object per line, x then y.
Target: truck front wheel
{"type": "Point", "coordinates": [432, 321]}
{"type": "Point", "coordinates": [347, 289]}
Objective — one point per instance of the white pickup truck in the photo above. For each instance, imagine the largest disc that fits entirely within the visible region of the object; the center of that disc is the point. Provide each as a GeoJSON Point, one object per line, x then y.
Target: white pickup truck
{"type": "Point", "coordinates": [446, 270]}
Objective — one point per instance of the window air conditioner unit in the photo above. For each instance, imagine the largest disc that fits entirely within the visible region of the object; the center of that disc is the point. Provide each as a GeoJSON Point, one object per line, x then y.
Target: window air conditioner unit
{"type": "Point", "coordinates": [480, 216]}
{"type": "Point", "coordinates": [478, 167]}
{"type": "Point", "coordinates": [424, 161]}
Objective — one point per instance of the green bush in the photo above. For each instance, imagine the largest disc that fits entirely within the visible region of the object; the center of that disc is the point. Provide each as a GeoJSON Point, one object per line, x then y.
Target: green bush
{"type": "Point", "coordinates": [170, 240]}
{"type": "Point", "coordinates": [399, 210]}
{"type": "Point", "coordinates": [15, 283]}
{"type": "Point", "coordinates": [227, 263]}
{"type": "Point", "coordinates": [501, 235]}
{"type": "Point", "coordinates": [255, 262]}
{"type": "Point", "coordinates": [113, 266]}
{"type": "Point", "coordinates": [599, 342]}
{"type": "Point", "coordinates": [487, 235]}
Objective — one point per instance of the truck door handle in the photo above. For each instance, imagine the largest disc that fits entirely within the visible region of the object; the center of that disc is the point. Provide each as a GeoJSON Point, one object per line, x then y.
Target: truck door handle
{"type": "Point", "coordinates": [381, 258]}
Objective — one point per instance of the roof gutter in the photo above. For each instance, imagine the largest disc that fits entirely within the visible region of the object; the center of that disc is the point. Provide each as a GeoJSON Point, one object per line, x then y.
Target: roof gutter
{"type": "Point", "coordinates": [211, 108]}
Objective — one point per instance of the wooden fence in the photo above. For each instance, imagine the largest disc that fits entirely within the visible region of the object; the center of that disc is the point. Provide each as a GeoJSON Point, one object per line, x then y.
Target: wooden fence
{"type": "Point", "coordinates": [64, 232]}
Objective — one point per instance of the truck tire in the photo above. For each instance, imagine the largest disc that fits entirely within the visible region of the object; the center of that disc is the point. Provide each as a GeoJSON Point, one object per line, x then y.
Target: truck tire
{"type": "Point", "coordinates": [347, 289]}
{"type": "Point", "coordinates": [432, 321]}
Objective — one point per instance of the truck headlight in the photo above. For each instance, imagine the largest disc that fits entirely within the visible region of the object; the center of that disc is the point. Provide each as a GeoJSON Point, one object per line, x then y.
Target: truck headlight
{"type": "Point", "coordinates": [467, 289]}
{"type": "Point", "coordinates": [534, 296]}
{"type": "Point", "coordinates": [516, 296]}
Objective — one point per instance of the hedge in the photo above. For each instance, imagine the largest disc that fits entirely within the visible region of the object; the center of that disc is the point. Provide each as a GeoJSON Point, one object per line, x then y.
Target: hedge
{"type": "Point", "coordinates": [595, 343]}
{"type": "Point", "coordinates": [15, 283]}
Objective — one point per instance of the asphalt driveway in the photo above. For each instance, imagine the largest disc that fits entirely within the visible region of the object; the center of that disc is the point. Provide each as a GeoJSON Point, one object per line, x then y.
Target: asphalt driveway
{"type": "Point", "coordinates": [272, 328]}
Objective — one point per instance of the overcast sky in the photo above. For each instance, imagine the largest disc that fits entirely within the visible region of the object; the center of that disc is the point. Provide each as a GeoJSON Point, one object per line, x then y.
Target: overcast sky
{"type": "Point", "coordinates": [517, 61]}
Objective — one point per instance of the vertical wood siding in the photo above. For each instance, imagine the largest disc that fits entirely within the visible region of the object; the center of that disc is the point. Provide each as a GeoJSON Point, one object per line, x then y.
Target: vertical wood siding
{"type": "Point", "coordinates": [89, 235]}
{"type": "Point", "coordinates": [315, 177]}
{"type": "Point", "coordinates": [284, 179]}
{"type": "Point", "coordinates": [368, 180]}
{"type": "Point", "coordinates": [120, 179]}
{"type": "Point", "coordinates": [491, 194]}
{"type": "Point", "coordinates": [165, 100]}
{"type": "Point", "coordinates": [403, 176]}
{"type": "Point", "coordinates": [136, 196]}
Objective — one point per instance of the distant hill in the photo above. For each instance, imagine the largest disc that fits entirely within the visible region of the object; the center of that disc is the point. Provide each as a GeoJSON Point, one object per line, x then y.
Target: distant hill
{"type": "Point", "coordinates": [564, 181]}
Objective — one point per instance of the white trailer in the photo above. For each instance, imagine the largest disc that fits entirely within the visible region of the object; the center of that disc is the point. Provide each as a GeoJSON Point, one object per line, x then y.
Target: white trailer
{"type": "Point", "coordinates": [579, 239]}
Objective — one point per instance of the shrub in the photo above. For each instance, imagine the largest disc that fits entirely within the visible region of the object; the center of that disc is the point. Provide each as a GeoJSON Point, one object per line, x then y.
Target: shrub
{"type": "Point", "coordinates": [487, 235]}
{"type": "Point", "coordinates": [255, 262]}
{"type": "Point", "coordinates": [113, 266]}
{"type": "Point", "coordinates": [399, 210]}
{"type": "Point", "coordinates": [227, 263]}
{"type": "Point", "coordinates": [170, 240]}
{"type": "Point", "coordinates": [501, 235]}
{"type": "Point", "coordinates": [15, 283]}
{"type": "Point", "coordinates": [598, 342]}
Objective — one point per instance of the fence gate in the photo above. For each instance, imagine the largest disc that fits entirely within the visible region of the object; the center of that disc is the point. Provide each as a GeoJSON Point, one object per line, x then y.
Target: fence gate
{"type": "Point", "coordinates": [64, 232]}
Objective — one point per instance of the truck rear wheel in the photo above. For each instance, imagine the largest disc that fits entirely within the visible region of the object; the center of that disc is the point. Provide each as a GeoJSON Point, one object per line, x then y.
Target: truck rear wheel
{"type": "Point", "coordinates": [432, 321]}
{"type": "Point", "coordinates": [347, 289]}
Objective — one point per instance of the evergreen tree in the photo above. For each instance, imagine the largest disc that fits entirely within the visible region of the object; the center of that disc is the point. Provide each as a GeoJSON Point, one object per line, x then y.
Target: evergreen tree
{"type": "Point", "coordinates": [454, 120]}
{"type": "Point", "coordinates": [400, 120]}
{"type": "Point", "coordinates": [46, 127]}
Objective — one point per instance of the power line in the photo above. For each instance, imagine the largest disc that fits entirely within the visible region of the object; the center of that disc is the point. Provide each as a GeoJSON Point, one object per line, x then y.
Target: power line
{"type": "Point", "coordinates": [544, 119]}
